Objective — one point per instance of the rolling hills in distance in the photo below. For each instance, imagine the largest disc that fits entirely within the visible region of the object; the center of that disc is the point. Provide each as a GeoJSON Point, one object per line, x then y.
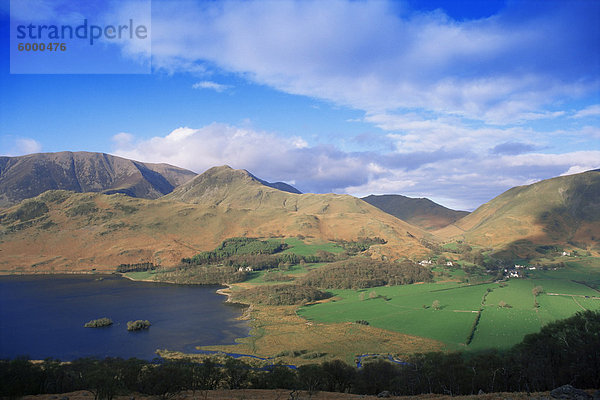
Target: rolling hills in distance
{"type": "Point", "coordinates": [420, 212]}
{"type": "Point", "coordinates": [103, 210]}
{"type": "Point", "coordinates": [30, 175]}
{"type": "Point", "coordinates": [67, 231]}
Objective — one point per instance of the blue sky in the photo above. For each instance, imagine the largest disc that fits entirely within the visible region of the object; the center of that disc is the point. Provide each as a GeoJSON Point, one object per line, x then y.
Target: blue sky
{"type": "Point", "coordinates": [453, 100]}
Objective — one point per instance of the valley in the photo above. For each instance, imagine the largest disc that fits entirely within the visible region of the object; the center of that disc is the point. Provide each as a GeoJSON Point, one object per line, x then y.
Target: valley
{"type": "Point", "coordinates": [331, 277]}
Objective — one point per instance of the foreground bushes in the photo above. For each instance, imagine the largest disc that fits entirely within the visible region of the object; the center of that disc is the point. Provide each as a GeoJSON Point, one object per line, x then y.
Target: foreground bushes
{"type": "Point", "coordinates": [564, 352]}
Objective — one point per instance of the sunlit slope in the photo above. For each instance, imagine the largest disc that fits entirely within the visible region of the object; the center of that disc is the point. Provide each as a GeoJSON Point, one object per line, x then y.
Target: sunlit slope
{"type": "Point", "coordinates": [271, 212]}
{"type": "Point", "coordinates": [66, 231]}
{"type": "Point", "coordinates": [559, 210]}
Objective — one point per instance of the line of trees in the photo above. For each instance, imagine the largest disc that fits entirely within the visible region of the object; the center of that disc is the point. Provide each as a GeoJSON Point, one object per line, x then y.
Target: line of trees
{"type": "Point", "coordinates": [361, 244]}
{"type": "Point", "coordinates": [136, 267]}
{"type": "Point", "coordinates": [563, 352]}
{"type": "Point", "coordinates": [236, 246]}
{"type": "Point", "coordinates": [279, 295]}
{"type": "Point", "coordinates": [204, 275]}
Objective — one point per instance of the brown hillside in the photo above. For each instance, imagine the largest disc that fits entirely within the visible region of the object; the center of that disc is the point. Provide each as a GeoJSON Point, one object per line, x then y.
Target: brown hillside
{"type": "Point", "coordinates": [562, 210]}
{"type": "Point", "coordinates": [64, 231]}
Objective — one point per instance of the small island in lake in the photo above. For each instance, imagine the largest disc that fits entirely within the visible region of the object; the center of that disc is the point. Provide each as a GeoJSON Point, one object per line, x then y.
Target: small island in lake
{"type": "Point", "coordinates": [98, 323]}
{"type": "Point", "coordinates": [138, 325]}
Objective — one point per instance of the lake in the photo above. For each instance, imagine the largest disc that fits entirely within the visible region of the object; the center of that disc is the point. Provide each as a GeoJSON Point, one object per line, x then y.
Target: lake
{"type": "Point", "coordinates": [43, 316]}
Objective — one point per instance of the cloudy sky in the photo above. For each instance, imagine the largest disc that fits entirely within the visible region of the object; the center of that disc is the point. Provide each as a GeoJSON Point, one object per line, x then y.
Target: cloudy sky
{"type": "Point", "coordinates": [456, 101]}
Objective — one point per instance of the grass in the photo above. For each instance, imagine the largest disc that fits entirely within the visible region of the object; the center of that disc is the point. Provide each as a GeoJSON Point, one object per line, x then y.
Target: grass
{"type": "Point", "coordinates": [401, 309]}
{"type": "Point", "coordinates": [453, 246]}
{"type": "Point", "coordinates": [141, 275]}
{"type": "Point", "coordinates": [295, 271]}
{"type": "Point", "coordinates": [279, 333]}
{"type": "Point", "coordinates": [585, 269]}
{"type": "Point", "coordinates": [503, 327]}
{"type": "Point", "coordinates": [301, 248]}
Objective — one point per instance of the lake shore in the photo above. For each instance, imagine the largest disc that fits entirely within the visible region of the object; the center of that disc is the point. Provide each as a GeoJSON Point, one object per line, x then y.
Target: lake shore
{"type": "Point", "coordinates": [197, 311]}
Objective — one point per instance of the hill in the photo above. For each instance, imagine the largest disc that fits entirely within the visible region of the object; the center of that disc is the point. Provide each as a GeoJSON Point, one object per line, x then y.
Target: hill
{"type": "Point", "coordinates": [63, 231]}
{"type": "Point", "coordinates": [278, 185]}
{"type": "Point", "coordinates": [563, 211]}
{"type": "Point", "coordinates": [422, 212]}
{"type": "Point", "coordinates": [28, 176]}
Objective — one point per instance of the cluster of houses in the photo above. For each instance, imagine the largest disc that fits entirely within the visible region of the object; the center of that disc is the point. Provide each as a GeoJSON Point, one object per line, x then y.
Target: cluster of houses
{"type": "Point", "coordinates": [428, 263]}
{"type": "Point", "coordinates": [517, 271]}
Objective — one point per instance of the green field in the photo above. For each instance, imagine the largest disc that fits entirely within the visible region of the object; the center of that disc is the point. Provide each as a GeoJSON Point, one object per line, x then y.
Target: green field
{"type": "Point", "coordinates": [586, 269]}
{"type": "Point", "coordinates": [141, 275]}
{"type": "Point", "coordinates": [294, 271]}
{"type": "Point", "coordinates": [300, 248]}
{"type": "Point", "coordinates": [407, 309]}
{"type": "Point", "coordinates": [401, 309]}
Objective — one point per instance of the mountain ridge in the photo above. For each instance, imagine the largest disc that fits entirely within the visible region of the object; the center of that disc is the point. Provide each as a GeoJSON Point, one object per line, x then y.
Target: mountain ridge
{"type": "Point", "coordinates": [560, 210]}
{"type": "Point", "coordinates": [28, 176]}
{"type": "Point", "coordinates": [421, 212]}
{"type": "Point", "coordinates": [66, 231]}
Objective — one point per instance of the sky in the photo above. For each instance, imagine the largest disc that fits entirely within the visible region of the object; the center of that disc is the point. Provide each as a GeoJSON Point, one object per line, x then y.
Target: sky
{"type": "Point", "coordinates": [456, 101]}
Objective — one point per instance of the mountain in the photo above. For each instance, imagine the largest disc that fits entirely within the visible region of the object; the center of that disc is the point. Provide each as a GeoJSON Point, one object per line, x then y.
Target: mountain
{"type": "Point", "coordinates": [62, 231]}
{"type": "Point", "coordinates": [563, 210]}
{"type": "Point", "coordinates": [278, 185]}
{"type": "Point", "coordinates": [420, 212]}
{"type": "Point", "coordinates": [27, 176]}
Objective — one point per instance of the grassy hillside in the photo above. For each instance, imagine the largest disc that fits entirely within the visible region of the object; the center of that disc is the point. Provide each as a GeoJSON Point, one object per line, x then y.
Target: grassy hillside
{"type": "Point", "coordinates": [61, 231]}
{"type": "Point", "coordinates": [563, 210]}
{"type": "Point", "coordinates": [423, 213]}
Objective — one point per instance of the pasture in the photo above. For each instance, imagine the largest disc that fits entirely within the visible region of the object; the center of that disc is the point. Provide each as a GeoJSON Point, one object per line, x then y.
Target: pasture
{"type": "Point", "coordinates": [301, 248]}
{"type": "Point", "coordinates": [507, 315]}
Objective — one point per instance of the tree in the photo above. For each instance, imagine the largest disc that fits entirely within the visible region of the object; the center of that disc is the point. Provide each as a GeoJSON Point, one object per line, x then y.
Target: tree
{"type": "Point", "coordinates": [436, 305]}
{"type": "Point", "coordinates": [236, 373]}
{"type": "Point", "coordinates": [339, 376]}
{"type": "Point", "coordinates": [164, 380]}
{"type": "Point", "coordinates": [311, 378]}
{"type": "Point", "coordinates": [101, 378]}
{"type": "Point", "coordinates": [206, 376]}
{"type": "Point", "coordinates": [503, 304]}
{"type": "Point", "coordinates": [537, 290]}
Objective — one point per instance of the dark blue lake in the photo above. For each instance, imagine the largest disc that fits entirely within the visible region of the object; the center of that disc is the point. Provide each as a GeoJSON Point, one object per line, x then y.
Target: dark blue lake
{"type": "Point", "coordinates": [43, 316]}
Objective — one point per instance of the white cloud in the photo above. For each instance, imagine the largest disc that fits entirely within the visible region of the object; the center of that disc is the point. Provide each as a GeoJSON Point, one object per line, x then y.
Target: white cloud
{"type": "Point", "coordinates": [456, 99]}
{"type": "Point", "coordinates": [590, 111]}
{"type": "Point", "coordinates": [587, 159]}
{"type": "Point", "coordinates": [460, 179]}
{"type": "Point", "coordinates": [17, 146]}
{"type": "Point", "coordinates": [27, 146]}
{"type": "Point", "coordinates": [375, 57]}
{"type": "Point", "coordinates": [217, 87]}
{"type": "Point", "coordinates": [123, 140]}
